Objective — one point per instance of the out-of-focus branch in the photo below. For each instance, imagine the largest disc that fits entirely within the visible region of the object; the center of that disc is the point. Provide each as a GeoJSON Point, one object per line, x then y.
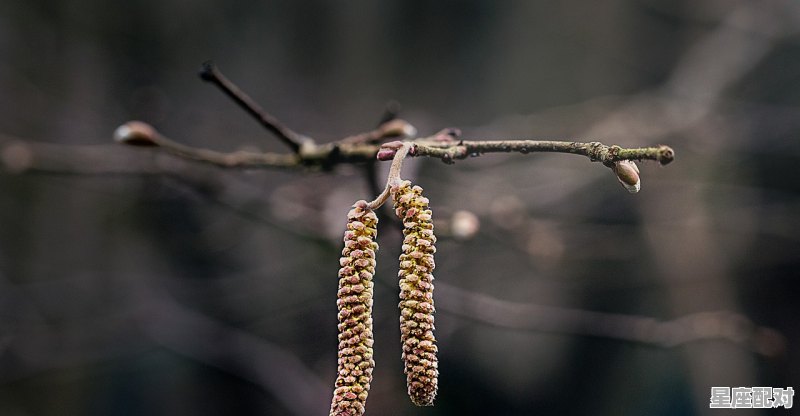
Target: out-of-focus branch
{"type": "Point", "coordinates": [157, 320]}
{"type": "Point", "coordinates": [703, 326]}
{"type": "Point", "coordinates": [235, 351]}
{"type": "Point", "coordinates": [28, 350]}
{"type": "Point", "coordinates": [28, 156]}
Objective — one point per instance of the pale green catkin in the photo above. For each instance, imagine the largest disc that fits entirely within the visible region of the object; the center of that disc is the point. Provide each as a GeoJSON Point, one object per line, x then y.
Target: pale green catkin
{"type": "Point", "coordinates": [355, 312]}
{"type": "Point", "coordinates": [416, 293]}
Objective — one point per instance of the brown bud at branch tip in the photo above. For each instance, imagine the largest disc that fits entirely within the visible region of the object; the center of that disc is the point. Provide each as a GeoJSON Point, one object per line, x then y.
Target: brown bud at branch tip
{"type": "Point", "coordinates": [136, 133]}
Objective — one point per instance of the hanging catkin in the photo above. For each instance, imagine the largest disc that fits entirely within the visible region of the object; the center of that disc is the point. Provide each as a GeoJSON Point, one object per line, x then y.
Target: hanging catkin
{"type": "Point", "coordinates": [416, 293]}
{"type": "Point", "coordinates": [355, 312]}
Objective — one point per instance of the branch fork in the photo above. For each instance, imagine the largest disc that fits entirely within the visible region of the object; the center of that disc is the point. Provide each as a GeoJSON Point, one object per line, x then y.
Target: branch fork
{"type": "Point", "coordinates": [365, 148]}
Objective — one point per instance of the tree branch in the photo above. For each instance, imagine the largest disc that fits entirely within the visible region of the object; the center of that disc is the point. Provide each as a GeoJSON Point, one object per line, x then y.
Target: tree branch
{"type": "Point", "coordinates": [596, 151]}
{"type": "Point", "coordinates": [232, 350]}
{"type": "Point", "coordinates": [209, 72]}
{"type": "Point", "coordinates": [359, 148]}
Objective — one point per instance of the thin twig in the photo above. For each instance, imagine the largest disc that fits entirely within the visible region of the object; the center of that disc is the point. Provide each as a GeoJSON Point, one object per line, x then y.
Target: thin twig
{"type": "Point", "coordinates": [394, 175]}
{"type": "Point", "coordinates": [395, 128]}
{"type": "Point", "coordinates": [212, 74]}
{"type": "Point", "coordinates": [224, 159]}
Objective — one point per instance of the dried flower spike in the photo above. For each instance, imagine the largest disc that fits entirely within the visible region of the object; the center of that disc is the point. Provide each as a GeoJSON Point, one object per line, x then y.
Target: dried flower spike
{"type": "Point", "coordinates": [355, 312]}
{"type": "Point", "coordinates": [416, 293]}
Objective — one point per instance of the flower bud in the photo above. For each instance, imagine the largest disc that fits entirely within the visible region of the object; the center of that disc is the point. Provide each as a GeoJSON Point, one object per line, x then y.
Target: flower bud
{"type": "Point", "coordinates": [628, 175]}
{"type": "Point", "coordinates": [388, 150]}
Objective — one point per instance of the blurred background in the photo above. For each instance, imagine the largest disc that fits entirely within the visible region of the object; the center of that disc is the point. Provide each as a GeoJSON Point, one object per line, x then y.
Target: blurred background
{"type": "Point", "coordinates": [136, 283]}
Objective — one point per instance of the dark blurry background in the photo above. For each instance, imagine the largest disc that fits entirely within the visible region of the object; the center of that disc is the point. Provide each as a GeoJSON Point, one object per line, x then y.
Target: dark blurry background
{"type": "Point", "coordinates": [135, 283]}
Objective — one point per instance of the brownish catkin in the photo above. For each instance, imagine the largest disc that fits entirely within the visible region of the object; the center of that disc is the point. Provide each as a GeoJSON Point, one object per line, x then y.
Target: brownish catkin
{"type": "Point", "coordinates": [354, 302]}
{"type": "Point", "coordinates": [416, 293]}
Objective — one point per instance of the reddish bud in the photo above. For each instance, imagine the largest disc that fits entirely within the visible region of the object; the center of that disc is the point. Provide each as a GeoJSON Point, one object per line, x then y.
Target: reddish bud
{"type": "Point", "coordinates": [386, 154]}
{"type": "Point", "coordinates": [388, 150]}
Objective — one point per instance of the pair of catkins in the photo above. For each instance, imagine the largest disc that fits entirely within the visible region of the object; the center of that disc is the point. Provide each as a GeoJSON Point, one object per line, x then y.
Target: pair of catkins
{"type": "Point", "coordinates": [355, 295]}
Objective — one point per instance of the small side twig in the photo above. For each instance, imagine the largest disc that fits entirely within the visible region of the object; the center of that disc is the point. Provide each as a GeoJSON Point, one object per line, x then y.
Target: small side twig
{"type": "Point", "coordinates": [395, 128]}
{"type": "Point", "coordinates": [389, 123]}
{"type": "Point", "coordinates": [394, 173]}
{"type": "Point", "coordinates": [209, 72]}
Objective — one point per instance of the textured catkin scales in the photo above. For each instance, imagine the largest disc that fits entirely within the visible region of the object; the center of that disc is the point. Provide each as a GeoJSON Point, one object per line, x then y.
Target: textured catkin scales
{"type": "Point", "coordinates": [355, 312]}
{"type": "Point", "coordinates": [416, 293]}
